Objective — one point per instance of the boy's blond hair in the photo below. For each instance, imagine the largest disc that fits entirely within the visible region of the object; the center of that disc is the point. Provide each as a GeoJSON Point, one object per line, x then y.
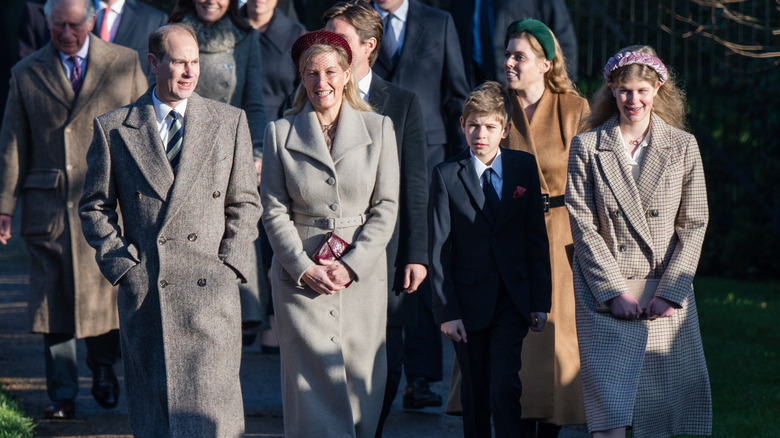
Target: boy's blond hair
{"type": "Point", "coordinates": [489, 98]}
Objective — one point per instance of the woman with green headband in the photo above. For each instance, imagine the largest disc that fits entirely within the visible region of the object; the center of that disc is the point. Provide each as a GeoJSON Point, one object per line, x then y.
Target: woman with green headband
{"type": "Point", "coordinates": [546, 115]}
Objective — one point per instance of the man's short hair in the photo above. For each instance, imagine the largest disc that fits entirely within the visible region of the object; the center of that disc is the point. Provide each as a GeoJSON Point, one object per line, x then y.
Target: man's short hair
{"type": "Point", "coordinates": [89, 8]}
{"type": "Point", "coordinates": [489, 98]}
{"type": "Point", "coordinates": [158, 39]}
{"type": "Point", "coordinates": [364, 18]}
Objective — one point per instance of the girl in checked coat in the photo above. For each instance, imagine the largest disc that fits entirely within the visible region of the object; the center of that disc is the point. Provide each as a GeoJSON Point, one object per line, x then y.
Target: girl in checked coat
{"type": "Point", "coordinates": [638, 206]}
{"type": "Point", "coordinates": [332, 165]}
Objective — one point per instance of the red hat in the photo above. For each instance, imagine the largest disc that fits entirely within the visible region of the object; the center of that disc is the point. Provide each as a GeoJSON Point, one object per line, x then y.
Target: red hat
{"type": "Point", "coordinates": [317, 37]}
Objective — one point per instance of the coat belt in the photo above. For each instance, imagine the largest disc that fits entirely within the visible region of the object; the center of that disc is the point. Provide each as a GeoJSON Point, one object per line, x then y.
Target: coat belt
{"type": "Point", "coordinates": [330, 223]}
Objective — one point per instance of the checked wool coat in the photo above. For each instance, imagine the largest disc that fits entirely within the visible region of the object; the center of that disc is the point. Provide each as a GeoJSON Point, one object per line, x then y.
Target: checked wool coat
{"type": "Point", "coordinates": [647, 374]}
{"type": "Point", "coordinates": [183, 242]}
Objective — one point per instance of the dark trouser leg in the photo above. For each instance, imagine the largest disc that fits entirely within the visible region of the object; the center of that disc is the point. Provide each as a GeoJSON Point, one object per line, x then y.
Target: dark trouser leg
{"type": "Point", "coordinates": [534, 429]}
{"type": "Point", "coordinates": [62, 373]}
{"type": "Point", "coordinates": [102, 349]}
{"type": "Point", "coordinates": [422, 343]}
{"type": "Point", "coordinates": [474, 393]}
{"type": "Point", "coordinates": [395, 358]}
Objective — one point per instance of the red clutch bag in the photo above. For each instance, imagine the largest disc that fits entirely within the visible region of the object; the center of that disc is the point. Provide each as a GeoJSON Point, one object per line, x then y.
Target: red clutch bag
{"type": "Point", "coordinates": [331, 248]}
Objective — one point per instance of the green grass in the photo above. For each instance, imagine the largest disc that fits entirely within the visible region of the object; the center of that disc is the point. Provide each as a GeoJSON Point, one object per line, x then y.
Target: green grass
{"type": "Point", "coordinates": [740, 326]}
{"type": "Point", "coordinates": [13, 423]}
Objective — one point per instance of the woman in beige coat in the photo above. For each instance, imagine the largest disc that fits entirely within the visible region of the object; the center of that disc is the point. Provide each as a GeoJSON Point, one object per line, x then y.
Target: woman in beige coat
{"type": "Point", "coordinates": [638, 206]}
{"type": "Point", "coordinates": [331, 165]}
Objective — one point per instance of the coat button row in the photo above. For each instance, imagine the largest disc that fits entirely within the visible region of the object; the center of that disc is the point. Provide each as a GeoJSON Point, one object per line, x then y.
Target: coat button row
{"type": "Point", "coordinates": [202, 282]}
{"type": "Point", "coordinates": [216, 194]}
{"type": "Point", "coordinates": [163, 283]}
{"type": "Point", "coordinates": [334, 207]}
{"type": "Point", "coordinates": [330, 181]}
{"type": "Point", "coordinates": [653, 213]}
{"type": "Point", "coordinates": [622, 248]}
{"type": "Point", "coordinates": [192, 237]}
{"type": "Point", "coordinates": [162, 240]}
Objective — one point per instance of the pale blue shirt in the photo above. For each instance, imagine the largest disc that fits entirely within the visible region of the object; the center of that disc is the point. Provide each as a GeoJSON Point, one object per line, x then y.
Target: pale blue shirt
{"type": "Point", "coordinates": [399, 25]}
{"type": "Point", "coordinates": [498, 171]}
{"type": "Point", "coordinates": [113, 17]}
{"type": "Point", "coordinates": [81, 57]}
{"type": "Point", "coordinates": [161, 111]}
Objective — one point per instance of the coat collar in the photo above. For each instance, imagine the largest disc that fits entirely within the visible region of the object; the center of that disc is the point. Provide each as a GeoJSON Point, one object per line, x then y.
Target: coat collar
{"type": "Point", "coordinates": [470, 180]}
{"type": "Point", "coordinates": [278, 33]}
{"type": "Point", "coordinates": [47, 66]}
{"type": "Point", "coordinates": [306, 136]}
{"type": "Point", "coordinates": [377, 95]}
{"type": "Point", "coordinates": [127, 23]}
{"type": "Point", "coordinates": [100, 63]}
{"type": "Point", "coordinates": [413, 34]}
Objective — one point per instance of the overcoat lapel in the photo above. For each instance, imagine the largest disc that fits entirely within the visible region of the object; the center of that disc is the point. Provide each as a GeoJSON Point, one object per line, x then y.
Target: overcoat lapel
{"type": "Point", "coordinates": [51, 73]}
{"type": "Point", "coordinates": [200, 137]}
{"type": "Point", "coordinates": [655, 160]}
{"type": "Point", "coordinates": [511, 180]}
{"type": "Point", "coordinates": [412, 36]}
{"type": "Point", "coordinates": [377, 95]}
{"type": "Point", "coordinates": [96, 75]}
{"type": "Point", "coordinates": [468, 176]}
{"type": "Point", "coordinates": [351, 133]}
{"type": "Point", "coordinates": [614, 165]}
{"type": "Point", "coordinates": [306, 137]}
{"type": "Point", "coordinates": [144, 144]}
{"type": "Point", "coordinates": [126, 24]}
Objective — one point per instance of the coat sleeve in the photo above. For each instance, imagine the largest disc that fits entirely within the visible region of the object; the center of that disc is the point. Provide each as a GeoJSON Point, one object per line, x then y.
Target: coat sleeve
{"type": "Point", "coordinates": [14, 139]}
{"type": "Point", "coordinates": [98, 211]}
{"type": "Point", "coordinates": [445, 304]}
{"type": "Point", "coordinates": [537, 245]}
{"type": "Point", "coordinates": [690, 226]}
{"type": "Point", "coordinates": [454, 88]}
{"type": "Point", "coordinates": [598, 264]}
{"type": "Point", "coordinates": [372, 241]}
{"type": "Point", "coordinates": [253, 95]}
{"type": "Point", "coordinates": [242, 206]}
{"type": "Point", "coordinates": [414, 187]}
{"type": "Point", "coordinates": [277, 219]}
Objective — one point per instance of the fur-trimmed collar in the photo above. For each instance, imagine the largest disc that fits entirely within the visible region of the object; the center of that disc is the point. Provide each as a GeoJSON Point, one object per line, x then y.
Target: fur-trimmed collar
{"type": "Point", "coordinates": [214, 38]}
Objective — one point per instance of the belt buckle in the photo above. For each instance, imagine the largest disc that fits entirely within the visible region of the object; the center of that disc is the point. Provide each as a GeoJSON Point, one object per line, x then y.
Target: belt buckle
{"type": "Point", "coordinates": [545, 202]}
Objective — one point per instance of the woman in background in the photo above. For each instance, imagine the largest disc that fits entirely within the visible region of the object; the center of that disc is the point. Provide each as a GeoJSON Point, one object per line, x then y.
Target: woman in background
{"type": "Point", "coordinates": [638, 205]}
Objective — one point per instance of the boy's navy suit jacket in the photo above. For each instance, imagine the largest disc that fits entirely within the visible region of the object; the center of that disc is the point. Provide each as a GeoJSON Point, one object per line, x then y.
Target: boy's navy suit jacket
{"type": "Point", "coordinates": [471, 250]}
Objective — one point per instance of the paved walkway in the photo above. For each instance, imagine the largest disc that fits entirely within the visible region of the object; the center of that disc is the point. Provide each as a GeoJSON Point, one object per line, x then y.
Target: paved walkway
{"type": "Point", "coordinates": [22, 374]}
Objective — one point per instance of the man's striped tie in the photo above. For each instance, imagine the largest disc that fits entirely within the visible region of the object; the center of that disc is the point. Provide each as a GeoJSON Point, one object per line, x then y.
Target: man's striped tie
{"type": "Point", "coordinates": [173, 146]}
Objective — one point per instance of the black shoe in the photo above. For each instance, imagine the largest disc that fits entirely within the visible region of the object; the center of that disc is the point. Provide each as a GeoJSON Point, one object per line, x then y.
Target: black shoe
{"type": "Point", "coordinates": [105, 387]}
{"type": "Point", "coordinates": [418, 395]}
{"type": "Point", "coordinates": [60, 410]}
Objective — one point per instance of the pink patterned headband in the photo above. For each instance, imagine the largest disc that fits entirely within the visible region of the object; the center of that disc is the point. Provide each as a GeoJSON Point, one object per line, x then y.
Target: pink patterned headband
{"type": "Point", "coordinates": [626, 58]}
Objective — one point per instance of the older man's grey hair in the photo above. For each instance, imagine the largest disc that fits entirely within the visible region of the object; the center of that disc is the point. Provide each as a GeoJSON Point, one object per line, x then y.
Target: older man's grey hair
{"type": "Point", "coordinates": [89, 7]}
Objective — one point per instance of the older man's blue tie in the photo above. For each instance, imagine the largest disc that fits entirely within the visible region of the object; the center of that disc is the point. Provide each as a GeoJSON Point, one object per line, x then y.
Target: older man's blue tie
{"type": "Point", "coordinates": [173, 145]}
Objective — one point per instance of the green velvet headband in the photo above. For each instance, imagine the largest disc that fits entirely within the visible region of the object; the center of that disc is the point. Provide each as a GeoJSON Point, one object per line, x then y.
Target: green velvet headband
{"type": "Point", "coordinates": [538, 30]}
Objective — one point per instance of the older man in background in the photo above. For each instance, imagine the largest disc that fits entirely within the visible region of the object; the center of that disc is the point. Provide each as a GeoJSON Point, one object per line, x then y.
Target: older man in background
{"type": "Point", "coordinates": [54, 95]}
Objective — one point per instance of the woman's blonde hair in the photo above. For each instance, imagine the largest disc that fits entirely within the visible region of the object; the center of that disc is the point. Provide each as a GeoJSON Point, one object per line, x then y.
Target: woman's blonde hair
{"type": "Point", "coordinates": [556, 79]}
{"type": "Point", "coordinates": [668, 104]}
{"type": "Point", "coordinates": [351, 92]}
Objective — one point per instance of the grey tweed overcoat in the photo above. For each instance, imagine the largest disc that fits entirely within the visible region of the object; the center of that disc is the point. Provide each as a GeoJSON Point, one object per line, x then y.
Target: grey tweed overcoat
{"type": "Point", "coordinates": [647, 374]}
{"type": "Point", "coordinates": [183, 243]}
{"type": "Point", "coordinates": [46, 131]}
{"type": "Point", "coordinates": [334, 364]}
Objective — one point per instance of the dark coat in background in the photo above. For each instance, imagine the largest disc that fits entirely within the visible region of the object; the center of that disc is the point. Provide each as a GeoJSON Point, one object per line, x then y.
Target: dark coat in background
{"type": "Point", "coordinates": [33, 32]}
{"type": "Point", "coordinates": [182, 243]}
{"type": "Point", "coordinates": [430, 65]}
{"type": "Point", "coordinates": [278, 77]}
{"type": "Point", "coordinates": [43, 147]}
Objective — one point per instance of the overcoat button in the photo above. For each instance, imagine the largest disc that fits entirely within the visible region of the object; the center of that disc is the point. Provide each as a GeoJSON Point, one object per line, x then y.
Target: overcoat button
{"type": "Point", "coordinates": [163, 283]}
{"type": "Point", "coordinates": [216, 194]}
{"type": "Point", "coordinates": [202, 282]}
{"type": "Point", "coordinates": [138, 195]}
{"type": "Point", "coordinates": [70, 204]}
{"type": "Point", "coordinates": [330, 181]}
{"type": "Point", "coordinates": [618, 213]}
{"type": "Point", "coordinates": [334, 207]}
{"type": "Point", "coordinates": [162, 240]}
{"type": "Point", "coordinates": [653, 213]}
{"type": "Point", "coordinates": [334, 312]}
{"type": "Point", "coordinates": [622, 248]}
{"type": "Point", "coordinates": [192, 237]}
{"type": "Point", "coordinates": [335, 339]}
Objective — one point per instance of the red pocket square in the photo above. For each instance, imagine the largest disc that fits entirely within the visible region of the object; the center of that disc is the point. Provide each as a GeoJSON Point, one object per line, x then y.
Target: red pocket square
{"type": "Point", "coordinates": [519, 192]}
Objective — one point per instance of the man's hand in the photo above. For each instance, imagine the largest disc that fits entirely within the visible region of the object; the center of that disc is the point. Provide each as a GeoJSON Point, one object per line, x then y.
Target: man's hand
{"type": "Point", "coordinates": [659, 308]}
{"type": "Point", "coordinates": [538, 321]}
{"type": "Point", "coordinates": [624, 306]}
{"type": "Point", "coordinates": [317, 278]}
{"type": "Point", "coordinates": [5, 228]}
{"type": "Point", "coordinates": [454, 330]}
{"type": "Point", "coordinates": [259, 170]}
{"type": "Point", "coordinates": [414, 274]}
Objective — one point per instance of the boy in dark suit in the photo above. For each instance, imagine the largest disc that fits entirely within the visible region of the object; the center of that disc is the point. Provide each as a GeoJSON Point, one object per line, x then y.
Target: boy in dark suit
{"type": "Point", "coordinates": [490, 262]}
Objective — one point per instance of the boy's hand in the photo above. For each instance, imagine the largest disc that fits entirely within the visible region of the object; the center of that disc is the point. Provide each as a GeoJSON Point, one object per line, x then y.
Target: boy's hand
{"type": "Point", "coordinates": [5, 228]}
{"type": "Point", "coordinates": [538, 321]}
{"type": "Point", "coordinates": [454, 330]}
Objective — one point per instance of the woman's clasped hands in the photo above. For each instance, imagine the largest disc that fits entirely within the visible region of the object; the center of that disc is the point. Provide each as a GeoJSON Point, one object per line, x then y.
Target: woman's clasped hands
{"type": "Point", "coordinates": [329, 277]}
{"type": "Point", "coordinates": [624, 306]}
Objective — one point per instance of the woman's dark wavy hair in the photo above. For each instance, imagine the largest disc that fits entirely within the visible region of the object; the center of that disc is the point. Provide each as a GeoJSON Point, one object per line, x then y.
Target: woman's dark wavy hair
{"type": "Point", "coordinates": [184, 6]}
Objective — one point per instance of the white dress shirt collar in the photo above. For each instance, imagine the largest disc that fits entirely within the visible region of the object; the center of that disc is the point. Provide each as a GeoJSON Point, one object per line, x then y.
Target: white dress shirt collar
{"type": "Point", "coordinates": [116, 7]}
{"type": "Point", "coordinates": [364, 85]}
{"type": "Point", "coordinates": [496, 165]}
{"type": "Point", "coordinates": [161, 111]}
{"type": "Point", "coordinates": [82, 58]}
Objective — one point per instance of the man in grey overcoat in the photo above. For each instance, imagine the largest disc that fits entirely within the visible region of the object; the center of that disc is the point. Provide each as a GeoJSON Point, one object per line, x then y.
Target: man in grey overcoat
{"type": "Point", "coordinates": [180, 168]}
{"type": "Point", "coordinates": [54, 95]}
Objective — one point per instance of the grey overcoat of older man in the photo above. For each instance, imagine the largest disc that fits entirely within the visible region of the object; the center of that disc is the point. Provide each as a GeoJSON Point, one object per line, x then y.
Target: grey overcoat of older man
{"type": "Point", "coordinates": [187, 235]}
